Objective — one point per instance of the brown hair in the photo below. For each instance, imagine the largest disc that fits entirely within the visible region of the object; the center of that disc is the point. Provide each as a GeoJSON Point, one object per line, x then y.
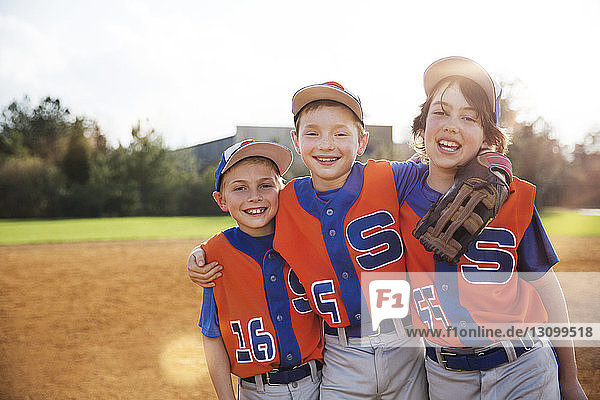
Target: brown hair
{"type": "Point", "coordinates": [315, 105]}
{"type": "Point", "coordinates": [477, 98]}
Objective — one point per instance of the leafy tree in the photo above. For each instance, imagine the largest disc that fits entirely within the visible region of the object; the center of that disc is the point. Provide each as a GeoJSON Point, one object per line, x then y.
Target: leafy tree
{"type": "Point", "coordinates": [49, 129]}
{"type": "Point", "coordinates": [76, 163]}
{"type": "Point", "coordinates": [582, 189]}
{"type": "Point", "coordinates": [15, 121]}
{"type": "Point", "coordinates": [193, 192]}
{"type": "Point", "coordinates": [44, 131]}
{"type": "Point", "coordinates": [151, 171]}
{"type": "Point", "coordinates": [535, 155]}
{"type": "Point", "coordinates": [539, 159]}
{"type": "Point", "coordinates": [140, 178]}
{"type": "Point", "coordinates": [41, 144]}
{"type": "Point", "coordinates": [29, 188]}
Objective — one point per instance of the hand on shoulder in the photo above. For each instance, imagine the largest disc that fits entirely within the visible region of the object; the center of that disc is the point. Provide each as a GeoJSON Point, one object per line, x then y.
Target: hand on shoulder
{"type": "Point", "coordinates": [201, 273]}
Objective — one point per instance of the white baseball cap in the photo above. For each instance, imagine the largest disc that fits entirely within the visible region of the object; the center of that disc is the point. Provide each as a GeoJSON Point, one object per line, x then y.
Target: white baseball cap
{"type": "Point", "coordinates": [326, 91]}
{"type": "Point", "coordinates": [468, 68]}
{"type": "Point", "coordinates": [280, 155]}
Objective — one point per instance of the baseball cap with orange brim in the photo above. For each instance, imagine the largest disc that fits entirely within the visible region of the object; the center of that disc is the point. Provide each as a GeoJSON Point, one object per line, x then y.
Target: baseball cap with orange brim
{"type": "Point", "coordinates": [462, 66]}
{"type": "Point", "coordinates": [280, 155]}
{"type": "Point", "coordinates": [326, 91]}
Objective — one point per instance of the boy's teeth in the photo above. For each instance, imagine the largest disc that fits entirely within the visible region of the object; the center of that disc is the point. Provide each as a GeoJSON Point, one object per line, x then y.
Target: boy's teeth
{"type": "Point", "coordinates": [256, 211]}
{"type": "Point", "coordinates": [447, 143]}
{"type": "Point", "coordinates": [326, 159]}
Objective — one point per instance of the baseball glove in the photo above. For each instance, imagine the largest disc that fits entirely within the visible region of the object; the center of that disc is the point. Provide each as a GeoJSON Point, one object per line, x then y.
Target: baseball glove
{"type": "Point", "coordinates": [458, 217]}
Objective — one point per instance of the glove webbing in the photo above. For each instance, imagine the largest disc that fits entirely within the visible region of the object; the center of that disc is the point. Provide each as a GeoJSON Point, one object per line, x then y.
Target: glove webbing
{"type": "Point", "coordinates": [472, 223]}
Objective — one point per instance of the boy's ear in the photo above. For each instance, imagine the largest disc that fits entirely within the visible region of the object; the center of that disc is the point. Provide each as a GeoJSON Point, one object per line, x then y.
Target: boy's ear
{"type": "Point", "coordinates": [220, 201]}
{"type": "Point", "coordinates": [294, 136]}
{"type": "Point", "coordinates": [362, 143]}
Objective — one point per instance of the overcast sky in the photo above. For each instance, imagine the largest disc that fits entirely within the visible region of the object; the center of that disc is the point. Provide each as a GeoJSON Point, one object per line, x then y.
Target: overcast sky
{"type": "Point", "coordinates": [194, 70]}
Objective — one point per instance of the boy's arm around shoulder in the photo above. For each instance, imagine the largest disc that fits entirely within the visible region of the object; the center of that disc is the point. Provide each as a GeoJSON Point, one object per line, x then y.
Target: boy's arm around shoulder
{"type": "Point", "coordinates": [407, 175]}
{"type": "Point", "coordinates": [552, 296]}
{"type": "Point", "coordinates": [218, 366]}
{"type": "Point", "coordinates": [199, 271]}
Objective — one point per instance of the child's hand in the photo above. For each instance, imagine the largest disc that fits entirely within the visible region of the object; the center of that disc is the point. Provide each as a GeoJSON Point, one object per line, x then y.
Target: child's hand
{"type": "Point", "coordinates": [199, 273]}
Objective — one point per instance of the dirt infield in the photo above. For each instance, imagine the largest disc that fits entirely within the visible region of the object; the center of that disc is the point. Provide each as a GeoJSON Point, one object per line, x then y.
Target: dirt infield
{"type": "Point", "coordinates": [118, 321]}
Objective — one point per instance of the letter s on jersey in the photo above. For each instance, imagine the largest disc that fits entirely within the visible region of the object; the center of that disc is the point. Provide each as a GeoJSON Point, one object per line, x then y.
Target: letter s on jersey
{"type": "Point", "coordinates": [381, 247]}
{"type": "Point", "coordinates": [491, 265]}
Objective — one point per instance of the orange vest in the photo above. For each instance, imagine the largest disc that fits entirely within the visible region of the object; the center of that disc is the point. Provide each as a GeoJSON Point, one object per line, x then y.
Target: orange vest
{"type": "Point", "coordinates": [330, 243]}
{"type": "Point", "coordinates": [484, 288]}
{"type": "Point", "coordinates": [256, 329]}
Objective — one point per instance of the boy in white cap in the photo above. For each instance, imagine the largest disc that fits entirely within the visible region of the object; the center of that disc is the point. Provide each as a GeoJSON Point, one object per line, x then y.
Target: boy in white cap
{"type": "Point", "coordinates": [255, 321]}
{"type": "Point", "coordinates": [504, 279]}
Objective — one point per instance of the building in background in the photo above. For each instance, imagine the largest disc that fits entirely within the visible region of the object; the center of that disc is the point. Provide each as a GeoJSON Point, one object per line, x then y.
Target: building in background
{"type": "Point", "coordinates": [381, 146]}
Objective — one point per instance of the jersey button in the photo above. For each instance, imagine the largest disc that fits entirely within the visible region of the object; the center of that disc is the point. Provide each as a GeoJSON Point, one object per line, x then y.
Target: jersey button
{"type": "Point", "coordinates": [279, 318]}
{"type": "Point", "coordinates": [345, 275]}
{"type": "Point", "coordinates": [271, 256]}
{"type": "Point", "coordinates": [329, 212]}
{"type": "Point", "coordinates": [289, 357]}
{"type": "Point", "coordinates": [332, 232]}
{"type": "Point", "coordinates": [357, 317]}
{"type": "Point", "coordinates": [444, 287]}
{"type": "Point", "coordinates": [273, 278]}
{"type": "Point", "coordinates": [462, 324]}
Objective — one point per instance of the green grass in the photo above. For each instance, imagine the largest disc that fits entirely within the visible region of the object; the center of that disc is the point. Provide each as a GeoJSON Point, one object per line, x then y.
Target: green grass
{"type": "Point", "coordinates": [558, 222]}
{"type": "Point", "coordinates": [561, 222]}
{"type": "Point", "coordinates": [103, 229]}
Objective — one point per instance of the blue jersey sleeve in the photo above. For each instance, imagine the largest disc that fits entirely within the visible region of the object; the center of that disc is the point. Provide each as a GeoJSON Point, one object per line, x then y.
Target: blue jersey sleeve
{"type": "Point", "coordinates": [406, 176]}
{"type": "Point", "coordinates": [535, 252]}
{"type": "Point", "coordinates": [209, 319]}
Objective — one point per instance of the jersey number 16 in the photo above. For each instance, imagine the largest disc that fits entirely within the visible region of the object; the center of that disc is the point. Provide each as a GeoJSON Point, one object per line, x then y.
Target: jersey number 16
{"type": "Point", "coordinates": [262, 345]}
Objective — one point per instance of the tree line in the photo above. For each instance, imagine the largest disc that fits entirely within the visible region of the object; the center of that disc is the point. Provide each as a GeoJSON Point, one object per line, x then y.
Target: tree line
{"type": "Point", "coordinates": [54, 164]}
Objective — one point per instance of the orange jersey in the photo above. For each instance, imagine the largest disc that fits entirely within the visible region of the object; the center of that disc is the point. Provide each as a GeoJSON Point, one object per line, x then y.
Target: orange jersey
{"type": "Point", "coordinates": [264, 318]}
{"type": "Point", "coordinates": [329, 243]}
{"type": "Point", "coordinates": [487, 286]}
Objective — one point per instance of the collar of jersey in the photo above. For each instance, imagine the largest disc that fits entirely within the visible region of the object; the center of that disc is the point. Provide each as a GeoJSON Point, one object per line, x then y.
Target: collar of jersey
{"type": "Point", "coordinates": [429, 193]}
{"type": "Point", "coordinates": [340, 201]}
{"type": "Point", "coordinates": [254, 246]}
{"type": "Point", "coordinates": [422, 196]}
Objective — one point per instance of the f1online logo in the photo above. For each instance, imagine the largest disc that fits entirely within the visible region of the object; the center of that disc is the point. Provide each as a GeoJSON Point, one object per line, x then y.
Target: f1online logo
{"type": "Point", "coordinates": [389, 295]}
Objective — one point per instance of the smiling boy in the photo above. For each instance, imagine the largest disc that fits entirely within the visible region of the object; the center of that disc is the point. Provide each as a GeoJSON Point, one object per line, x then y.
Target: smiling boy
{"type": "Point", "coordinates": [255, 322]}
{"type": "Point", "coordinates": [506, 275]}
{"type": "Point", "coordinates": [336, 224]}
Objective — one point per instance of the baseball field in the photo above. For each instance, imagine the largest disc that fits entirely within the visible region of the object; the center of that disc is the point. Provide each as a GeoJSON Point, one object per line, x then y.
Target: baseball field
{"type": "Point", "coordinates": [117, 319]}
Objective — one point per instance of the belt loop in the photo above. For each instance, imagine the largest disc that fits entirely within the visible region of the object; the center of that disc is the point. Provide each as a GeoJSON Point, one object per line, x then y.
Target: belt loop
{"type": "Point", "coordinates": [400, 329]}
{"type": "Point", "coordinates": [531, 339]}
{"type": "Point", "coordinates": [509, 349]}
{"type": "Point", "coordinates": [438, 355]}
{"type": "Point", "coordinates": [313, 370]}
{"type": "Point", "coordinates": [260, 386]}
{"type": "Point", "coordinates": [342, 337]}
